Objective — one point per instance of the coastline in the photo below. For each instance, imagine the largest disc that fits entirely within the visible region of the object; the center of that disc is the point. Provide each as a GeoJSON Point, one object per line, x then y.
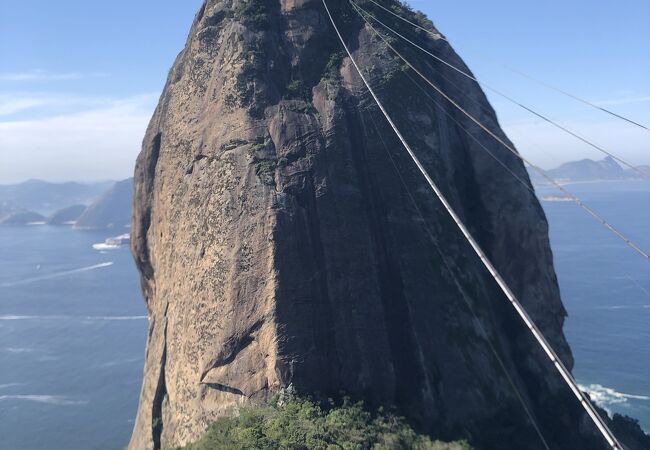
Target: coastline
{"type": "Point", "coordinates": [578, 182]}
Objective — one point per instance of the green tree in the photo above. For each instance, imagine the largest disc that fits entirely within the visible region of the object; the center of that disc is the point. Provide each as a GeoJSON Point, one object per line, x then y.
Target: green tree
{"type": "Point", "coordinates": [299, 424]}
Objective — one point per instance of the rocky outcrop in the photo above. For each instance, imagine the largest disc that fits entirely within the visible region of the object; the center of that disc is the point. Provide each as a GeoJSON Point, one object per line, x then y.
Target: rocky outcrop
{"type": "Point", "coordinates": [21, 218]}
{"type": "Point", "coordinates": [111, 210]}
{"type": "Point", "coordinates": [284, 238]}
{"type": "Point", "coordinates": [67, 215]}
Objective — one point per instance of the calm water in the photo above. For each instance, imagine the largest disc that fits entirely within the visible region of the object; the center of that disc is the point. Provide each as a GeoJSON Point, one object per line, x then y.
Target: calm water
{"type": "Point", "coordinates": [72, 334]}
{"type": "Point", "coordinates": [606, 290]}
{"type": "Point", "coordinates": [72, 325]}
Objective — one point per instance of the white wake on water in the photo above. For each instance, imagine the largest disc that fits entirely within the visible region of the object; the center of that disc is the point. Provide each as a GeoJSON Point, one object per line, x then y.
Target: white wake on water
{"type": "Point", "coordinates": [116, 318]}
{"type": "Point", "coordinates": [56, 275]}
{"type": "Point", "coordinates": [81, 318]}
{"type": "Point", "coordinates": [119, 362]}
{"type": "Point", "coordinates": [18, 350]}
{"type": "Point", "coordinates": [604, 396]}
{"type": "Point", "coordinates": [618, 307]}
{"type": "Point", "coordinates": [47, 399]}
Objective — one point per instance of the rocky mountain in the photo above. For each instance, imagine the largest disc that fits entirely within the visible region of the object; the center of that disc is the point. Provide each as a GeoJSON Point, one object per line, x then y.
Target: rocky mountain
{"type": "Point", "coordinates": [66, 215]}
{"type": "Point", "coordinates": [111, 210]}
{"type": "Point", "coordinates": [6, 208]}
{"type": "Point", "coordinates": [21, 218]}
{"type": "Point", "coordinates": [45, 197]}
{"type": "Point", "coordinates": [607, 169]}
{"type": "Point", "coordinates": [285, 239]}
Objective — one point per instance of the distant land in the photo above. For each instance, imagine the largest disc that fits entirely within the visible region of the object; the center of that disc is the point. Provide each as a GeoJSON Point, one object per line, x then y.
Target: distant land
{"type": "Point", "coordinates": [66, 216]}
{"type": "Point", "coordinates": [107, 204]}
{"type": "Point", "coordinates": [44, 197]}
{"type": "Point", "coordinates": [22, 218]}
{"type": "Point", "coordinates": [111, 210]}
{"type": "Point", "coordinates": [588, 170]}
{"type": "Point", "coordinates": [101, 205]}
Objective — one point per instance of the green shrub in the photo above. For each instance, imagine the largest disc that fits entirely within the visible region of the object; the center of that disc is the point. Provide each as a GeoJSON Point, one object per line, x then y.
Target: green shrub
{"type": "Point", "coordinates": [254, 61]}
{"type": "Point", "coordinates": [233, 144]}
{"type": "Point", "coordinates": [255, 149]}
{"type": "Point", "coordinates": [257, 146]}
{"type": "Point", "coordinates": [296, 89]}
{"type": "Point", "coordinates": [253, 13]}
{"type": "Point", "coordinates": [331, 73]}
{"type": "Point", "coordinates": [265, 167]}
{"type": "Point", "coordinates": [297, 424]}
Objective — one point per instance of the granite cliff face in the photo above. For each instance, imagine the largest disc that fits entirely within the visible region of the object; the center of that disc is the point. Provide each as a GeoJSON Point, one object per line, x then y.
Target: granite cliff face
{"type": "Point", "coordinates": [278, 245]}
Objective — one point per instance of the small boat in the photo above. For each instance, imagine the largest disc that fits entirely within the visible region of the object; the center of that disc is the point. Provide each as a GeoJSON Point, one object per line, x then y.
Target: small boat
{"type": "Point", "coordinates": [113, 243]}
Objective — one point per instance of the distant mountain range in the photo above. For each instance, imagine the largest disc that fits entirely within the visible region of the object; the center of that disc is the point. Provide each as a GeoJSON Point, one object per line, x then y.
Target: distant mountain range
{"type": "Point", "coordinates": [587, 170]}
{"type": "Point", "coordinates": [67, 215]}
{"type": "Point", "coordinates": [88, 206]}
{"type": "Point", "coordinates": [111, 210]}
{"type": "Point", "coordinates": [44, 197]}
{"type": "Point", "coordinates": [22, 218]}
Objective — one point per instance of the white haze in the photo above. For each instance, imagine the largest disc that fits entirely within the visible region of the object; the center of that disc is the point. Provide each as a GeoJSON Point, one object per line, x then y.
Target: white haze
{"type": "Point", "coordinates": [98, 142]}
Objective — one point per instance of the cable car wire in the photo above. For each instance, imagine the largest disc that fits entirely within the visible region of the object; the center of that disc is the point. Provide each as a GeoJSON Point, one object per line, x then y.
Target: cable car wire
{"type": "Point", "coordinates": [439, 36]}
{"type": "Point", "coordinates": [509, 147]}
{"type": "Point", "coordinates": [504, 95]}
{"type": "Point", "coordinates": [463, 293]}
{"type": "Point", "coordinates": [564, 372]}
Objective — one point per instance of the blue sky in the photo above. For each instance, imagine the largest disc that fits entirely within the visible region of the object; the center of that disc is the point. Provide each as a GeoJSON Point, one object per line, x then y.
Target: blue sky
{"type": "Point", "coordinates": [79, 80]}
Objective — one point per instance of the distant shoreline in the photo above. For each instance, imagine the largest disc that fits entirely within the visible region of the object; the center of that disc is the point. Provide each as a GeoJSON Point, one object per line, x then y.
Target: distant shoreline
{"type": "Point", "coordinates": [567, 183]}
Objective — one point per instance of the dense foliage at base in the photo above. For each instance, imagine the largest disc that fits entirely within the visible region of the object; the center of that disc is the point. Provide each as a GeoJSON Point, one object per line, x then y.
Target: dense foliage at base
{"type": "Point", "coordinates": [297, 424]}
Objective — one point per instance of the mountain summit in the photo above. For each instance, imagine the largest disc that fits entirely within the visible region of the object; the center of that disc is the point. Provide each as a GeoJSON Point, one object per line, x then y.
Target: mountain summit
{"type": "Point", "coordinates": [284, 238]}
{"type": "Point", "coordinates": [588, 170]}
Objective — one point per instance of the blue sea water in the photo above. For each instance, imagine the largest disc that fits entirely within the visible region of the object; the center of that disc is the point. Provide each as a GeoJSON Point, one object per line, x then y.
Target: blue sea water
{"type": "Point", "coordinates": [73, 325]}
{"type": "Point", "coordinates": [605, 287]}
{"type": "Point", "coordinates": [72, 336]}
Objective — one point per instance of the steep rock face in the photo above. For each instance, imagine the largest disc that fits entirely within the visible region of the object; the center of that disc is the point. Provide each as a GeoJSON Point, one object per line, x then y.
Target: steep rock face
{"type": "Point", "coordinates": [279, 246]}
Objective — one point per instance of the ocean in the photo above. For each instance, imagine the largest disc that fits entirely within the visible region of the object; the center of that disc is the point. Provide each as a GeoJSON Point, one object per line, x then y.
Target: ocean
{"type": "Point", "coordinates": [73, 324]}
{"type": "Point", "coordinates": [72, 335]}
{"type": "Point", "coordinates": [605, 287]}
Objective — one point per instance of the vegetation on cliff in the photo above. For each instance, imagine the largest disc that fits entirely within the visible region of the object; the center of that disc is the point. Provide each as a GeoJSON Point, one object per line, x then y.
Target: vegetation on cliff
{"type": "Point", "coordinates": [298, 424]}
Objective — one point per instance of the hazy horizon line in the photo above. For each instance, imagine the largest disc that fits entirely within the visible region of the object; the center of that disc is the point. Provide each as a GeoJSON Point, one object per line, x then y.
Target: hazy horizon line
{"type": "Point", "coordinates": [122, 178]}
